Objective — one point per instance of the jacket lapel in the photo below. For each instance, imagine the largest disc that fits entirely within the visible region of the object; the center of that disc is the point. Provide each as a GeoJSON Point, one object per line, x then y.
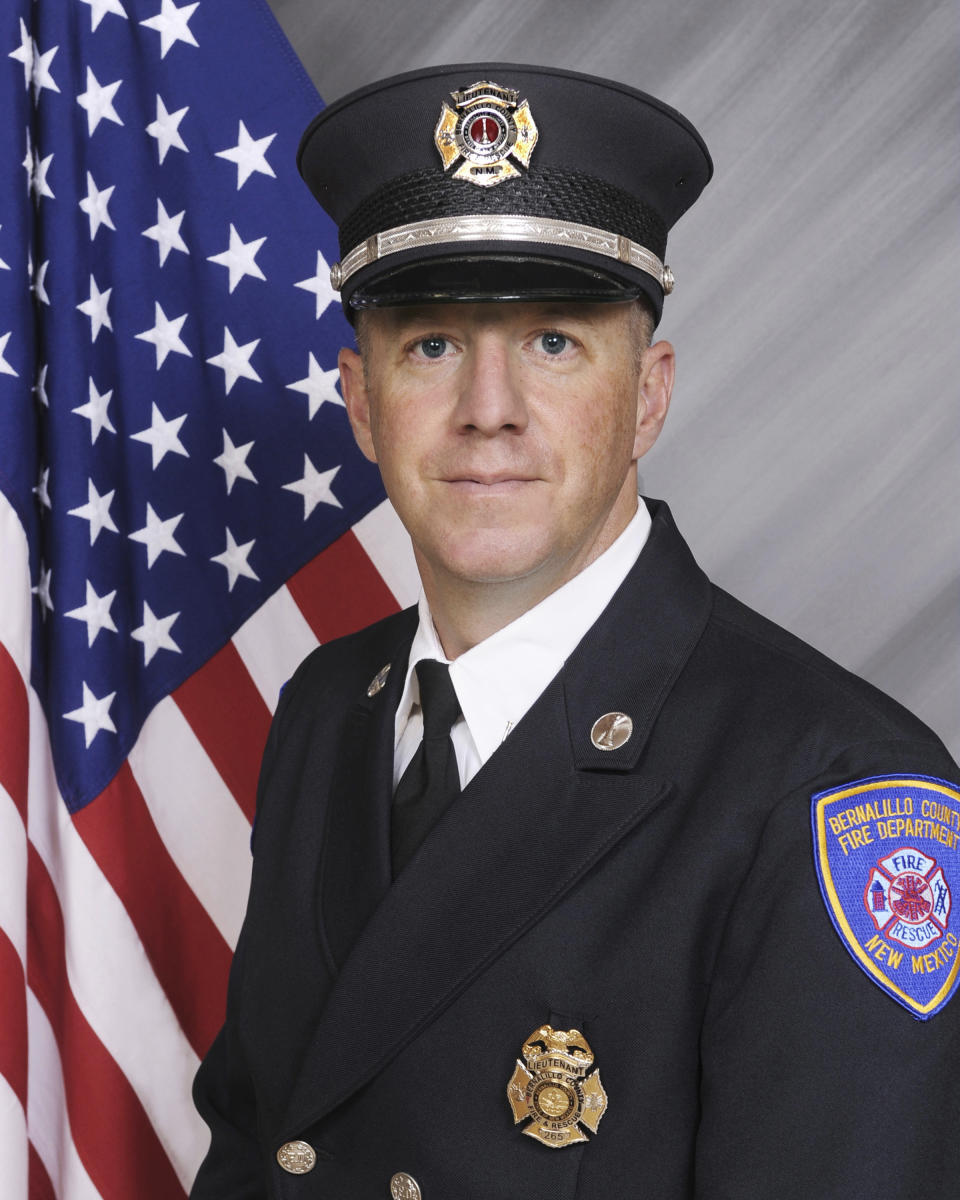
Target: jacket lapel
{"type": "Point", "coordinates": [545, 808]}
{"type": "Point", "coordinates": [355, 862]}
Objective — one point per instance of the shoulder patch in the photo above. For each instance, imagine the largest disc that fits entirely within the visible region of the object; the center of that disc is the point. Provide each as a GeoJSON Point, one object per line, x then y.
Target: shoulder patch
{"type": "Point", "coordinates": [887, 851]}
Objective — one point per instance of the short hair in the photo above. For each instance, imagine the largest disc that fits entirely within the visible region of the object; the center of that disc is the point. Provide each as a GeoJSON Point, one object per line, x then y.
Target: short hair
{"type": "Point", "coordinates": [644, 323]}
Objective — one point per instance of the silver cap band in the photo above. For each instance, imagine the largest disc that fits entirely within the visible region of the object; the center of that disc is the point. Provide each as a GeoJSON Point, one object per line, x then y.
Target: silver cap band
{"type": "Point", "coordinates": [498, 227]}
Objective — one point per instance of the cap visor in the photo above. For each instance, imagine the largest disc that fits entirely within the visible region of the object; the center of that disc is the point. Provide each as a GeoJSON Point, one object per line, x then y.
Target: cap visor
{"type": "Point", "coordinates": [488, 278]}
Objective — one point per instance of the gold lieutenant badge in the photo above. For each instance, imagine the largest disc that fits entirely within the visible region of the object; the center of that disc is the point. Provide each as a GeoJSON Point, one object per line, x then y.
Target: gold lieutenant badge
{"type": "Point", "coordinates": [554, 1090]}
{"type": "Point", "coordinates": [488, 123]}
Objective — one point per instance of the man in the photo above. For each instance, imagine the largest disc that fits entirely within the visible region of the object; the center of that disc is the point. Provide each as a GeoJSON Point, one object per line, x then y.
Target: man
{"type": "Point", "coordinates": [639, 895]}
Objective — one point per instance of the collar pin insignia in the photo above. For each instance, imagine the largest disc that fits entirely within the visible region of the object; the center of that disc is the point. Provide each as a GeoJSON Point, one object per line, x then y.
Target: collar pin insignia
{"type": "Point", "coordinates": [611, 731]}
{"type": "Point", "coordinates": [377, 682]}
{"type": "Point", "coordinates": [553, 1090]}
{"type": "Point", "coordinates": [487, 124]}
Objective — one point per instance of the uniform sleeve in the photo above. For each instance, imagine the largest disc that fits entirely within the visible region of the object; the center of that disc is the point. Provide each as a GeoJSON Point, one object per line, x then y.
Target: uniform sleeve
{"type": "Point", "coordinates": [224, 1095]}
{"type": "Point", "coordinates": [815, 1081]}
{"type": "Point", "coordinates": [223, 1090]}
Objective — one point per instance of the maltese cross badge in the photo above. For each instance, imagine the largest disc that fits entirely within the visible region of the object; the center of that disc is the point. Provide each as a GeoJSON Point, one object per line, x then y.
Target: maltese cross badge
{"type": "Point", "coordinates": [553, 1090]}
{"type": "Point", "coordinates": [487, 126]}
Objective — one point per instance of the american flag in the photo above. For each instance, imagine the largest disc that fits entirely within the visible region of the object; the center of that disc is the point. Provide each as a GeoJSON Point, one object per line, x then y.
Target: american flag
{"type": "Point", "coordinates": [183, 516]}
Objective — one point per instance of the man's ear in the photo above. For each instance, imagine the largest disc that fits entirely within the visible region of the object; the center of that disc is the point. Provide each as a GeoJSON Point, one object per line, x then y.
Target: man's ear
{"type": "Point", "coordinates": [655, 386]}
{"type": "Point", "coordinates": [353, 385]}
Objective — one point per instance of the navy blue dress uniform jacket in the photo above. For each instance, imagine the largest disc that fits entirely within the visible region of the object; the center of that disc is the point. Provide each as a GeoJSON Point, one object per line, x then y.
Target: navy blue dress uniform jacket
{"type": "Point", "coordinates": [661, 897]}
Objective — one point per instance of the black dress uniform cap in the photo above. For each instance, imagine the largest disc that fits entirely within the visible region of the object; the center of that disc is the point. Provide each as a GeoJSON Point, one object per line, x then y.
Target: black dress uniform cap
{"type": "Point", "coordinates": [492, 181]}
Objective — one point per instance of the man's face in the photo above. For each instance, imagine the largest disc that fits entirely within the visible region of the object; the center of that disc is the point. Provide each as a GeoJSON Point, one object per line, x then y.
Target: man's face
{"type": "Point", "coordinates": [507, 434]}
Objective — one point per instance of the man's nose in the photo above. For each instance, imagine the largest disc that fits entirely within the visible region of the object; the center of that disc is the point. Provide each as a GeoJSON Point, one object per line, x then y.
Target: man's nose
{"type": "Point", "coordinates": [490, 397]}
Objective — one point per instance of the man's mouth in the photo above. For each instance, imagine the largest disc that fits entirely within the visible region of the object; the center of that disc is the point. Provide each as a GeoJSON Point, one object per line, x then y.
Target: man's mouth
{"type": "Point", "coordinates": [495, 483]}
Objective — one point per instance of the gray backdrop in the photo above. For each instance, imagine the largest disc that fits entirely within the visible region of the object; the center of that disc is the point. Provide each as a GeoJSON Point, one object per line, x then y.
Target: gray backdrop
{"type": "Point", "coordinates": [811, 455]}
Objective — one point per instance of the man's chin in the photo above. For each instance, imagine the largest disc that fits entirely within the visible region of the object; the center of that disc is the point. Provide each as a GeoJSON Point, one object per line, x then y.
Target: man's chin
{"type": "Point", "coordinates": [494, 559]}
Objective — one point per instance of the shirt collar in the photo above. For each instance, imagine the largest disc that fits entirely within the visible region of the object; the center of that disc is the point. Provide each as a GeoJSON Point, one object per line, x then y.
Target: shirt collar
{"type": "Point", "coordinates": [529, 651]}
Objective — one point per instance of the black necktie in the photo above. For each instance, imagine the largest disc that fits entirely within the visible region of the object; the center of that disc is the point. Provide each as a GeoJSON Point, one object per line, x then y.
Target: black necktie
{"type": "Point", "coordinates": [431, 779]}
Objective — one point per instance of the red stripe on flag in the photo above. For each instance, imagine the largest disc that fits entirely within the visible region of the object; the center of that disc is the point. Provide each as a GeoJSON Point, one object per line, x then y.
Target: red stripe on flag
{"type": "Point", "coordinates": [112, 1133]}
{"type": "Point", "coordinates": [185, 948]}
{"type": "Point", "coordinates": [13, 1019]}
{"type": "Point", "coordinates": [231, 721]}
{"type": "Point", "coordinates": [341, 591]}
{"type": "Point", "coordinates": [14, 732]}
{"type": "Point", "coordinates": [40, 1186]}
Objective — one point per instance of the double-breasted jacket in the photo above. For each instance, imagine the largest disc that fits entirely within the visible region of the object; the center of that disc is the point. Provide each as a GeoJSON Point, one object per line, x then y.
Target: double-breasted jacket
{"type": "Point", "coordinates": [660, 897]}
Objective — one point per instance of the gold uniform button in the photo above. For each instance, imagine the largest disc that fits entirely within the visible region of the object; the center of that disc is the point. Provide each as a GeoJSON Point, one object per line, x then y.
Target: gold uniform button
{"type": "Point", "coordinates": [405, 1187]}
{"type": "Point", "coordinates": [297, 1157]}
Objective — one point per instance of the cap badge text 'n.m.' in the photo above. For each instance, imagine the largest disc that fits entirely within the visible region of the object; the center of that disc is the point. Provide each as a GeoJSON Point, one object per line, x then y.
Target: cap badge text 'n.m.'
{"type": "Point", "coordinates": [553, 1090]}
{"type": "Point", "coordinates": [488, 123]}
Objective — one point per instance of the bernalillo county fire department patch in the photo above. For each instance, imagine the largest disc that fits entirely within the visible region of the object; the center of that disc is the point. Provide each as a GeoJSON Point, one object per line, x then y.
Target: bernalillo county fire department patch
{"type": "Point", "coordinates": [887, 851]}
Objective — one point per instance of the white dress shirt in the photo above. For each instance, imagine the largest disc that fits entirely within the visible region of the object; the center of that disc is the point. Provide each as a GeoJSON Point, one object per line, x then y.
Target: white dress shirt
{"type": "Point", "coordinates": [497, 680]}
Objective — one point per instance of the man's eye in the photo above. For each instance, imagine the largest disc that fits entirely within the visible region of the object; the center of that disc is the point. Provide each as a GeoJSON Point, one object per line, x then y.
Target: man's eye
{"type": "Point", "coordinates": [553, 343]}
{"type": "Point", "coordinates": [433, 347]}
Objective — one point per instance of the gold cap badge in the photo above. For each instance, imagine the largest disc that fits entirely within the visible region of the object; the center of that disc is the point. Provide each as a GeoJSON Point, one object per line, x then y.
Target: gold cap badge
{"type": "Point", "coordinates": [488, 123]}
{"type": "Point", "coordinates": [554, 1090]}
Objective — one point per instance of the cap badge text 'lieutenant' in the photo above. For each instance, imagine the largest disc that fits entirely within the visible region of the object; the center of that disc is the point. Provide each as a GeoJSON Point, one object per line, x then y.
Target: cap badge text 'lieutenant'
{"type": "Point", "coordinates": [553, 1090]}
{"type": "Point", "coordinates": [487, 124]}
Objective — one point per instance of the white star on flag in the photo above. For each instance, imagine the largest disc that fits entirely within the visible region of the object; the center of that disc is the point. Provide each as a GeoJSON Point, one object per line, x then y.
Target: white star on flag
{"type": "Point", "coordinates": [5, 368]}
{"type": "Point", "coordinates": [37, 169]}
{"type": "Point", "coordinates": [239, 258]}
{"type": "Point", "coordinates": [165, 335]}
{"type": "Point", "coordinates": [155, 633]}
{"type": "Point", "coordinates": [166, 232]}
{"type": "Point", "coordinates": [42, 589]}
{"type": "Point", "coordinates": [157, 536]}
{"type": "Point", "coordinates": [94, 204]}
{"type": "Point", "coordinates": [171, 23]}
{"type": "Point", "coordinates": [96, 511]}
{"type": "Point", "coordinates": [314, 487]}
{"type": "Point", "coordinates": [36, 66]}
{"type": "Point", "coordinates": [39, 389]}
{"type": "Point", "coordinates": [93, 715]}
{"type": "Point", "coordinates": [98, 102]}
{"type": "Point", "coordinates": [40, 75]}
{"type": "Point", "coordinates": [3, 265]}
{"type": "Point", "coordinates": [96, 309]}
{"type": "Point", "coordinates": [318, 386]}
{"type": "Point", "coordinates": [320, 285]}
{"type": "Point", "coordinates": [234, 361]}
{"type": "Point", "coordinates": [162, 436]}
{"type": "Point", "coordinates": [166, 129]}
{"type": "Point", "coordinates": [95, 410]}
{"type": "Point", "coordinates": [95, 612]}
{"type": "Point", "coordinates": [100, 8]}
{"type": "Point", "coordinates": [250, 155]}
{"type": "Point", "coordinates": [42, 490]}
{"type": "Point", "coordinates": [24, 53]}
{"type": "Point", "coordinates": [234, 559]}
{"type": "Point", "coordinates": [38, 282]}
{"type": "Point", "coordinates": [233, 462]}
